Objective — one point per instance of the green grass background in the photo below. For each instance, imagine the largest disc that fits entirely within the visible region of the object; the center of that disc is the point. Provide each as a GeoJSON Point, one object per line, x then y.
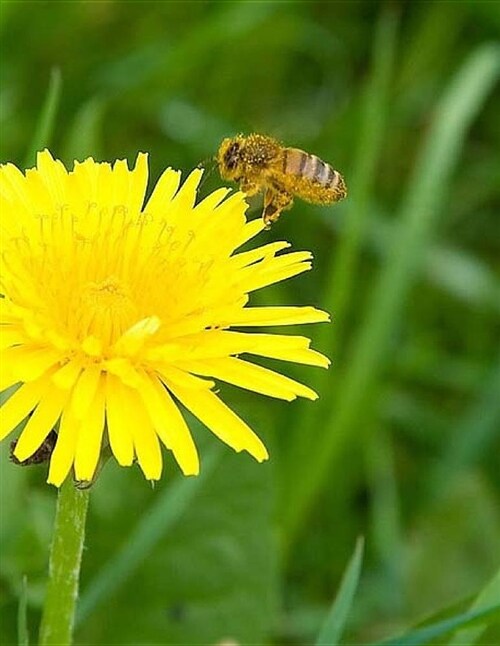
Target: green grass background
{"type": "Point", "coordinates": [403, 446]}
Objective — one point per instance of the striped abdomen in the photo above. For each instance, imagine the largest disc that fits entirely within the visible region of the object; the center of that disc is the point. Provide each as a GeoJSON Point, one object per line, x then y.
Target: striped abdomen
{"type": "Point", "coordinates": [309, 167]}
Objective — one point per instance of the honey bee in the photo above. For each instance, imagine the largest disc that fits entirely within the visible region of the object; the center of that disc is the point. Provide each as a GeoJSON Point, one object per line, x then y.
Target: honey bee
{"type": "Point", "coordinates": [260, 163]}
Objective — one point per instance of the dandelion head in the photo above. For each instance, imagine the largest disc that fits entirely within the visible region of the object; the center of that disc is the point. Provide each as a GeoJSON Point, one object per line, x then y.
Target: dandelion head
{"type": "Point", "coordinates": [117, 309]}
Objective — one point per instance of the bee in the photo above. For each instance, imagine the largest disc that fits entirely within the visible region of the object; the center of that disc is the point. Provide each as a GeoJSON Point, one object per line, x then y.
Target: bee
{"type": "Point", "coordinates": [260, 163]}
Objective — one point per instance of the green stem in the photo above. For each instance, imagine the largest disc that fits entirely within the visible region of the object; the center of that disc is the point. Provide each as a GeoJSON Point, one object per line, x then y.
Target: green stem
{"type": "Point", "coordinates": [64, 566]}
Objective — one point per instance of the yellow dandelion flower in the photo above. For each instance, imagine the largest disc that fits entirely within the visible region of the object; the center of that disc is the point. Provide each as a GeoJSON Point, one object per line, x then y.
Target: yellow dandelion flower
{"type": "Point", "coordinates": [114, 311]}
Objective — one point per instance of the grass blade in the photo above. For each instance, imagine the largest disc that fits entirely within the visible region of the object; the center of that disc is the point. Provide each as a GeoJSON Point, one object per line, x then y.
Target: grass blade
{"type": "Point", "coordinates": [475, 432]}
{"type": "Point", "coordinates": [22, 615]}
{"type": "Point", "coordinates": [84, 137]}
{"type": "Point", "coordinates": [345, 260]}
{"type": "Point", "coordinates": [45, 126]}
{"type": "Point", "coordinates": [167, 510]}
{"type": "Point", "coordinates": [464, 276]}
{"type": "Point", "coordinates": [331, 633]}
{"type": "Point", "coordinates": [418, 219]}
{"type": "Point", "coordinates": [370, 144]}
{"type": "Point", "coordinates": [423, 636]}
{"type": "Point", "coordinates": [489, 595]}
{"type": "Point", "coordinates": [385, 514]}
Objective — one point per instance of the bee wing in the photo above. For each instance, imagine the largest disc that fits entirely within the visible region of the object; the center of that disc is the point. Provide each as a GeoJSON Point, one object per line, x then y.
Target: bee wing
{"type": "Point", "coordinates": [208, 165]}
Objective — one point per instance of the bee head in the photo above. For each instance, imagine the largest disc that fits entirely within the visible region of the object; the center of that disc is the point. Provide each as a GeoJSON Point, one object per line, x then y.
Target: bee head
{"type": "Point", "coordinates": [230, 158]}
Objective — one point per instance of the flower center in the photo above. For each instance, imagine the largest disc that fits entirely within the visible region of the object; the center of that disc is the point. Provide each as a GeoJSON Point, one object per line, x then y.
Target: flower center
{"type": "Point", "coordinates": [109, 294]}
{"type": "Point", "coordinates": [108, 309]}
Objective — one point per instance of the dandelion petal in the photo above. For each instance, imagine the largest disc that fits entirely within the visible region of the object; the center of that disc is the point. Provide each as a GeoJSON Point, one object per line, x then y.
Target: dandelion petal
{"type": "Point", "coordinates": [170, 425]}
{"type": "Point", "coordinates": [252, 377]}
{"type": "Point", "coordinates": [40, 423]}
{"type": "Point", "coordinates": [119, 431]}
{"type": "Point", "coordinates": [64, 452]}
{"type": "Point", "coordinates": [20, 404]}
{"type": "Point", "coordinates": [222, 421]}
{"type": "Point", "coordinates": [90, 437]}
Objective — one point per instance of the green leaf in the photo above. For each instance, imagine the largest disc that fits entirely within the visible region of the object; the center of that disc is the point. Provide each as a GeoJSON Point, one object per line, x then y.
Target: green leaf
{"type": "Point", "coordinates": [22, 615]}
{"type": "Point", "coordinates": [333, 628]}
{"type": "Point", "coordinates": [203, 558]}
{"type": "Point", "coordinates": [423, 636]}
{"type": "Point", "coordinates": [166, 511]}
{"type": "Point", "coordinates": [489, 595]}
{"type": "Point", "coordinates": [45, 126]}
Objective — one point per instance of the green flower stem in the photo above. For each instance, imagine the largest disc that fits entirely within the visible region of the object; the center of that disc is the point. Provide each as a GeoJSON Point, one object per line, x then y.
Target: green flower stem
{"type": "Point", "coordinates": [64, 566]}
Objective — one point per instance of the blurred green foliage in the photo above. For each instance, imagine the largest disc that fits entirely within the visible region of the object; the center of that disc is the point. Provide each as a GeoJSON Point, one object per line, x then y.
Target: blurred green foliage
{"type": "Point", "coordinates": [403, 446]}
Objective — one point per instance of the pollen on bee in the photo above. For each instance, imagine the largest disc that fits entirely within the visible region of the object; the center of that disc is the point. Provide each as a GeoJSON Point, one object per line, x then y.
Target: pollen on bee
{"type": "Point", "coordinates": [262, 164]}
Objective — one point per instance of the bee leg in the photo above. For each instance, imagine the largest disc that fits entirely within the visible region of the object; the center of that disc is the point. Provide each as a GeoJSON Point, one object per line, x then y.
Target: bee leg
{"type": "Point", "coordinates": [274, 202]}
{"type": "Point", "coordinates": [249, 188]}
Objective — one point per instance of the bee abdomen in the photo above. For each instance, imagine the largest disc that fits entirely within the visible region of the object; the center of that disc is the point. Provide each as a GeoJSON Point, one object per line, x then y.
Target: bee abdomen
{"type": "Point", "coordinates": [335, 181]}
{"type": "Point", "coordinates": [311, 167]}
